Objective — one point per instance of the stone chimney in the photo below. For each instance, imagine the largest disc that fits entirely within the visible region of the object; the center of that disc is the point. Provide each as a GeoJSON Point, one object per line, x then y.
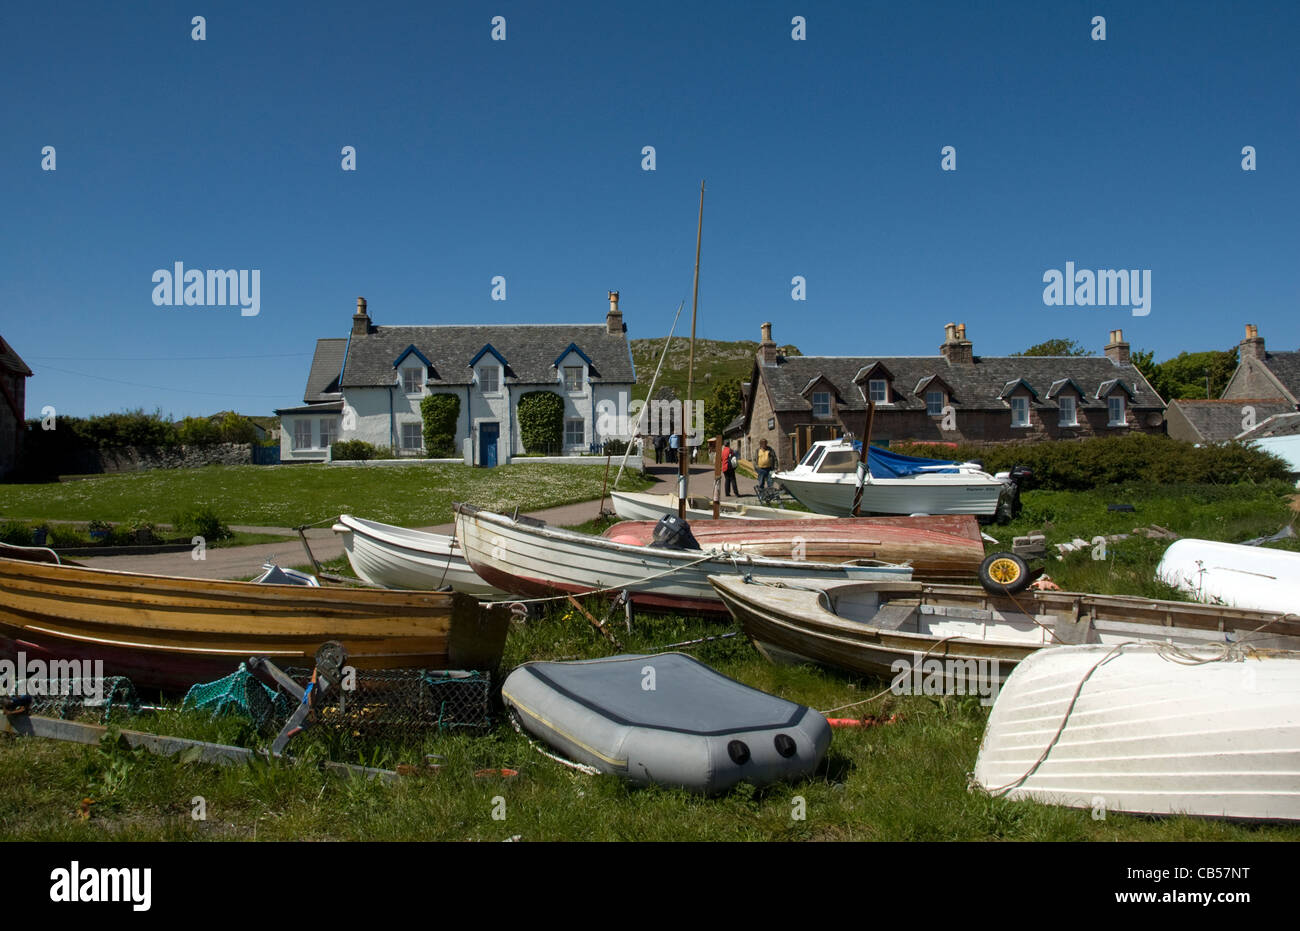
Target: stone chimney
{"type": "Point", "coordinates": [956, 348]}
{"type": "Point", "coordinates": [1253, 345]}
{"type": "Point", "coordinates": [767, 347]}
{"type": "Point", "coordinates": [614, 324]}
{"type": "Point", "coordinates": [1117, 348]}
{"type": "Point", "coordinates": [360, 320]}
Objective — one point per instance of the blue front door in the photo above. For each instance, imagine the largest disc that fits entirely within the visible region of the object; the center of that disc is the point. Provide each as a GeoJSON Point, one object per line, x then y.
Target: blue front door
{"type": "Point", "coordinates": [487, 443]}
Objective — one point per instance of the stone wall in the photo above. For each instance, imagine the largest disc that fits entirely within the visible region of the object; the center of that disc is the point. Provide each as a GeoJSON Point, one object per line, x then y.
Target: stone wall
{"type": "Point", "coordinates": [141, 458]}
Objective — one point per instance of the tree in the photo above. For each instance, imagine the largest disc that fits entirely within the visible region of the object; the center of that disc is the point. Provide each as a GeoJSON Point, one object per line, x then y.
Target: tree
{"type": "Point", "coordinates": [1184, 376]}
{"type": "Point", "coordinates": [1055, 347]}
{"type": "Point", "coordinates": [723, 407]}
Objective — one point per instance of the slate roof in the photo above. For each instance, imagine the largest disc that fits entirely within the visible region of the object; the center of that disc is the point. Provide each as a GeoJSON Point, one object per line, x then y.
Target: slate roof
{"type": "Point", "coordinates": [326, 365]}
{"type": "Point", "coordinates": [529, 352]}
{"type": "Point", "coordinates": [1286, 424]}
{"type": "Point", "coordinates": [320, 407]}
{"type": "Point", "coordinates": [1219, 420]}
{"type": "Point", "coordinates": [10, 360]}
{"type": "Point", "coordinates": [1285, 366]}
{"type": "Point", "coordinates": [976, 386]}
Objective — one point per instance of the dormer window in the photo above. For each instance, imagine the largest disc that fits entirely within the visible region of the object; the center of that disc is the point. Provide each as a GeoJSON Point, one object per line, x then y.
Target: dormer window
{"type": "Point", "coordinates": [1020, 411]}
{"type": "Point", "coordinates": [821, 403]}
{"type": "Point", "coordinates": [934, 402]}
{"type": "Point", "coordinates": [1118, 416]}
{"type": "Point", "coordinates": [412, 380]}
{"type": "Point", "coordinates": [489, 381]}
{"type": "Point", "coordinates": [1069, 411]}
{"type": "Point", "coordinates": [878, 390]}
{"type": "Point", "coordinates": [573, 378]}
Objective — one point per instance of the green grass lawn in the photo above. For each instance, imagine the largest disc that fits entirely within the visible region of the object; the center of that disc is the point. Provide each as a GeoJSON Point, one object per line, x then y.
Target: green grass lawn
{"type": "Point", "coordinates": [901, 781]}
{"type": "Point", "coordinates": [287, 496]}
{"type": "Point", "coordinates": [1229, 513]}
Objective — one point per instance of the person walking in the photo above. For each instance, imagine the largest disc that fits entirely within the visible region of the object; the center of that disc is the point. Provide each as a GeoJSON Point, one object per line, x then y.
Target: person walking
{"type": "Point", "coordinates": [765, 463]}
{"type": "Point", "coordinates": [675, 446]}
{"type": "Point", "coordinates": [660, 442]}
{"type": "Point", "coordinates": [729, 471]}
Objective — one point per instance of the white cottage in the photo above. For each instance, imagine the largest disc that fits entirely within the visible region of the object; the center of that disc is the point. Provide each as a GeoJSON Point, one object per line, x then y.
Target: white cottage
{"type": "Point", "coordinates": [369, 386]}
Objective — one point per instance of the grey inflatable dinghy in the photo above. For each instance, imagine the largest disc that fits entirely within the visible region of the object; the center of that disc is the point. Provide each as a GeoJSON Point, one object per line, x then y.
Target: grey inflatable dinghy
{"type": "Point", "coordinates": [666, 719]}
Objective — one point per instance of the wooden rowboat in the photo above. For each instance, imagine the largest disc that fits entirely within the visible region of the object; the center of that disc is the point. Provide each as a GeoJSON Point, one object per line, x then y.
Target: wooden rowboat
{"type": "Point", "coordinates": [868, 627]}
{"type": "Point", "coordinates": [946, 548]}
{"type": "Point", "coordinates": [1148, 730]}
{"type": "Point", "coordinates": [169, 633]}
{"type": "Point", "coordinates": [527, 557]}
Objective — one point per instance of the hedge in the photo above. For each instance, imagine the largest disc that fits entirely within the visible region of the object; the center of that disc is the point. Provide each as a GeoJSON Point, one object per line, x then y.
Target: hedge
{"type": "Point", "coordinates": [1073, 465]}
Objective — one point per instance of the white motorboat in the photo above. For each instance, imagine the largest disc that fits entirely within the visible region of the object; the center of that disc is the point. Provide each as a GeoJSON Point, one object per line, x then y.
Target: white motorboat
{"type": "Point", "coordinates": [1232, 574]}
{"type": "Point", "coordinates": [1149, 729]}
{"type": "Point", "coordinates": [396, 557]}
{"type": "Point", "coordinates": [527, 557]}
{"type": "Point", "coordinates": [827, 478]}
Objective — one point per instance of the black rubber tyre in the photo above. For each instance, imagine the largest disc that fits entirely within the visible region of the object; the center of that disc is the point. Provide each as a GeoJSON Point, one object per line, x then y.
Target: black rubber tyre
{"type": "Point", "coordinates": [1004, 574]}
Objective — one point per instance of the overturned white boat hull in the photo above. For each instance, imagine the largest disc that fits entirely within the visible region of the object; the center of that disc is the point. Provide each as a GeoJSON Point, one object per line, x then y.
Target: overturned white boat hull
{"type": "Point", "coordinates": [1142, 729]}
{"type": "Point", "coordinates": [1231, 574]}
{"type": "Point", "coordinates": [396, 557]}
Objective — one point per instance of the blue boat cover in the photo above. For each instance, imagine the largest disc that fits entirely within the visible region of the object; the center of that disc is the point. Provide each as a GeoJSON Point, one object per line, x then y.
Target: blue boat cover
{"type": "Point", "coordinates": [881, 463]}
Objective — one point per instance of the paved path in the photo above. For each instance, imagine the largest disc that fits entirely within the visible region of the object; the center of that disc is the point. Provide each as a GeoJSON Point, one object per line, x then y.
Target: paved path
{"type": "Point", "coordinates": [238, 562]}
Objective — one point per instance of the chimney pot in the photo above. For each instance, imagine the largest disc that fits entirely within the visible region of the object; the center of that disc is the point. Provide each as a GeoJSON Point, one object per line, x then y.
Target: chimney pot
{"type": "Point", "coordinates": [1117, 350]}
{"type": "Point", "coordinates": [1253, 345]}
{"type": "Point", "coordinates": [767, 348]}
{"type": "Point", "coordinates": [614, 319]}
{"type": "Point", "coordinates": [360, 320]}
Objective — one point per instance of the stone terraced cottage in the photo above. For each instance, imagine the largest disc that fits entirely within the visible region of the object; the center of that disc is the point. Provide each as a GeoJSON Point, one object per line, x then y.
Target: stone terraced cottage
{"type": "Point", "coordinates": [369, 385]}
{"type": "Point", "coordinates": [955, 397]}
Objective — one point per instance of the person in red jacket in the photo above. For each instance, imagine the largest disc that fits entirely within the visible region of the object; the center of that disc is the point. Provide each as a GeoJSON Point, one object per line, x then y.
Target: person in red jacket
{"type": "Point", "coordinates": [729, 471]}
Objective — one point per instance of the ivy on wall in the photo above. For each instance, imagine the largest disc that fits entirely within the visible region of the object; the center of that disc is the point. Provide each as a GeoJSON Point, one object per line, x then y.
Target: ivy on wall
{"type": "Point", "coordinates": [541, 421]}
{"type": "Point", "coordinates": [440, 413]}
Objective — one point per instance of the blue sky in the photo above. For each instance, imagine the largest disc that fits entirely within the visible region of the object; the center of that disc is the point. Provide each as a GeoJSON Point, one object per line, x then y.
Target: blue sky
{"type": "Point", "coordinates": [523, 159]}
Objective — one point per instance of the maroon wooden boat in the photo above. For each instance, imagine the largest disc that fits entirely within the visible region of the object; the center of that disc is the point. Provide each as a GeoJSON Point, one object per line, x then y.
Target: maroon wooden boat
{"type": "Point", "coordinates": [940, 548]}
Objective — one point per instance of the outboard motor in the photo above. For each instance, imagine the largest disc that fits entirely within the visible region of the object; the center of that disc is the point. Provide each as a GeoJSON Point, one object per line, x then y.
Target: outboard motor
{"type": "Point", "coordinates": [1009, 501]}
{"type": "Point", "coordinates": [674, 533]}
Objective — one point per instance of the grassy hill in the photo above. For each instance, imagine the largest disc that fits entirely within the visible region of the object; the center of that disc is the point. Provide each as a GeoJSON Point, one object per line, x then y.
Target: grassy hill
{"type": "Point", "coordinates": [715, 360]}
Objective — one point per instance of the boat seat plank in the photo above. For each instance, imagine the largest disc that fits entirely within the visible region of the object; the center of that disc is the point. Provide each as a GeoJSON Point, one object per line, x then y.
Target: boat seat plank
{"type": "Point", "coordinates": [894, 617]}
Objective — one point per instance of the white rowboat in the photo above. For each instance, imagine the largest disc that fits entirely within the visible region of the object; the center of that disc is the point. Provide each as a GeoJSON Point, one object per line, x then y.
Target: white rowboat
{"type": "Point", "coordinates": [395, 557]}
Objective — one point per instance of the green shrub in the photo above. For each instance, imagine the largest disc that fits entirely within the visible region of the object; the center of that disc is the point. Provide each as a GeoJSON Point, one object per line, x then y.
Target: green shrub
{"type": "Point", "coordinates": [353, 449]}
{"type": "Point", "coordinates": [1074, 465]}
{"type": "Point", "coordinates": [16, 533]}
{"type": "Point", "coordinates": [201, 521]}
{"type": "Point", "coordinates": [615, 447]}
{"type": "Point", "coordinates": [198, 431]}
{"type": "Point", "coordinates": [66, 535]}
{"type": "Point", "coordinates": [440, 413]}
{"type": "Point", "coordinates": [541, 421]}
{"type": "Point", "coordinates": [125, 428]}
{"type": "Point", "coordinates": [235, 428]}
